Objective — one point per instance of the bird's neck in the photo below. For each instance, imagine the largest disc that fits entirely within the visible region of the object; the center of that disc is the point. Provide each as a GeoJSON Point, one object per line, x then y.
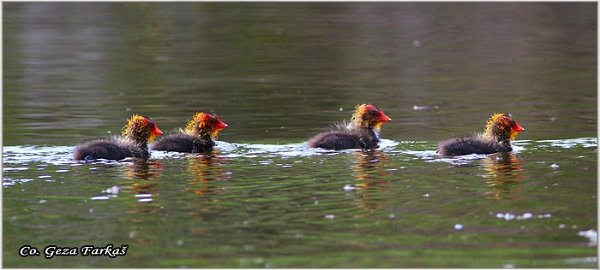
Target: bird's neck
{"type": "Point", "coordinates": [372, 132]}
{"type": "Point", "coordinates": [203, 142]}
{"type": "Point", "coordinates": [205, 136]}
{"type": "Point", "coordinates": [142, 144]}
{"type": "Point", "coordinates": [202, 133]}
{"type": "Point", "coordinates": [138, 141]}
{"type": "Point", "coordinates": [501, 137]}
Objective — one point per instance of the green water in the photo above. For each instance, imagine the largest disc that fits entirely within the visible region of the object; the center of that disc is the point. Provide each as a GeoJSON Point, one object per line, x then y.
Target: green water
{"type": "Point", "coordinates": [278, 73]}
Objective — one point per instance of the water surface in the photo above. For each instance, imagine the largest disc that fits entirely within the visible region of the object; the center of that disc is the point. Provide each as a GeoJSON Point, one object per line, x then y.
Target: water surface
{"type": "Point", "coordinates": [278, 73]}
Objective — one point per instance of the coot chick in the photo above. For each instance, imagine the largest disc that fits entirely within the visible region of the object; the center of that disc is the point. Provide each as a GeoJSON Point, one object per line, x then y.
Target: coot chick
{"type": "Point", "coordinates": [500, 130]}
{"type": "Point", "coordinates": [362, 132]}
{"type": "Point", "coordinates": [197, 137]}
{"type": "Point", "coordinates": [138, 131]}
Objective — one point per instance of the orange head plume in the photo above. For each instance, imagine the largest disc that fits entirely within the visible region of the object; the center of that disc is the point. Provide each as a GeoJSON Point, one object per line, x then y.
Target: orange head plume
{"type": "Point", "coordinates": [502, 126]}
{"type": "Point", "coordinates": [367, 115]}
{"type": "Point", "coordinates": [141, 128]}
{"type": "Point", "coordinates": [205, 122]}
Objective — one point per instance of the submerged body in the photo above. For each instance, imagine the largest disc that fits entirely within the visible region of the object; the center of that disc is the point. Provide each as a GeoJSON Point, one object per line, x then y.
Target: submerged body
{"type": "Point", "coordinates": [113, 149]}
{"type": "Point", "coordinates": [345, 139]}
{"type": "Point", "coordinates": [500, 130]}
{"type": "Point", "coordinates": [471, 145]}
{"type": "Point", "coordinates": [197, 137]}
{"type": "Point", "coordinates": [184, 143]}
{"type": "Point", "coordinates": [134, 143]}
{"type": "Point", "coordinates": [361, 133]}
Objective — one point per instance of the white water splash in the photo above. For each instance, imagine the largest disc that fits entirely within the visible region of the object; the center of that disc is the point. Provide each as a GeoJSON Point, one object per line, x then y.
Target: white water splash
{"type": "Point", "coordinates": [570, 143]}
{"type": "Point", "coordinates": [591, 235]}
{"type": "Point", "coordinates": [60, 155]}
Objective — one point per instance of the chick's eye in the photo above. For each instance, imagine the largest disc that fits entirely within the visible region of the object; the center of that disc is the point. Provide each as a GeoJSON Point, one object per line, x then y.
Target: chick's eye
{"type": "Point", "coordinates": [372, 113]}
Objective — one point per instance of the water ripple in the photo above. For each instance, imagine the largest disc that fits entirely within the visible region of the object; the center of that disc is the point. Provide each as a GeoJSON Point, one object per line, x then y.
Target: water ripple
{"type": "Point", "coordinates": [61, 155]}
{"type": "Point", "coordinates": [570, 143]}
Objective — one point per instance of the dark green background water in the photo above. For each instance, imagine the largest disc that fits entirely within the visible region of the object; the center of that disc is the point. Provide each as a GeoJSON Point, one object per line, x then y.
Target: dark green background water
{"type": "Point", "coordinates": [278, 73]}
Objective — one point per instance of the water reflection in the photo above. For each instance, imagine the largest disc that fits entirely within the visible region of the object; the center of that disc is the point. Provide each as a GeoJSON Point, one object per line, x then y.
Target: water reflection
{"type": "Point", "coordinates": [144, 169]}
{"type": "Point", "coordinates": [369, 170]}
{"type": "Point", "coordinates": [141, 202]}
{"type": "Point", "coordinates": [502, 172]}
{"type": "Point", "coordinates": [204, 170]}
{"type": "Point", "coordinates": [143, 190]}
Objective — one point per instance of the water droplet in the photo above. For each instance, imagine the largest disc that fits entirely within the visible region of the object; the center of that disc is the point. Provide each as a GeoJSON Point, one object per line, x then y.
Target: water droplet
{"type": "Point", "coordinates": [591, 235]}
{"type": "Point", "coordinates": [7, 183]}
{"type": "Point", "coordinates": [329, 216]}
{"type": "Point", "coordinates": [458, 227]}
{"type": "Point", "coordinates": [43, 201]}
{"type": "Point", "coordinates": [112, 190]}
{"type": "Point", "coordinates": [426, 195]}
{"type": "Point", "coordinates": [349, 187]}
{"type": "Point", "coordinates": [506, 216]}
{"type": "Point", "coordinates": [15, 169]}
{"type": "Point", "coordinates": [554, 166]}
